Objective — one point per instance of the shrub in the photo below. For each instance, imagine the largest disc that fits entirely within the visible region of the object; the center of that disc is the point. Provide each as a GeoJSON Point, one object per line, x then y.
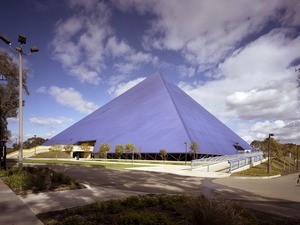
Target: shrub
{"type": "Point", "coordinates": [131, 201]}
{"type": "Point", "coordinates": [76, 220]}
{"type": "Point", "coordinates": [212, 211]}
{"type": "Point", "coordinates": [143, 218]}
{"type": "Point", "coordinates": [112, 207]}
{"type": "Point", "coordinates": [21, 180]}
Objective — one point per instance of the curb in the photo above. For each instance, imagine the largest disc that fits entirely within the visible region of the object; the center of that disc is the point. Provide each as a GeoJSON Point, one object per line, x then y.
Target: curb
{"type": "Point", "coordinates": [258, 178]}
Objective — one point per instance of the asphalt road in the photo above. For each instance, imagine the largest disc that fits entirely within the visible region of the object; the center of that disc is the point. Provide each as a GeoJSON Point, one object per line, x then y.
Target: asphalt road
{"type": "Point", "coordinates": [280, 195]}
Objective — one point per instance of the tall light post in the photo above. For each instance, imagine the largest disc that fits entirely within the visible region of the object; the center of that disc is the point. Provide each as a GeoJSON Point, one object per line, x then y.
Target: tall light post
{"type": "Point", "coordinates": [21, 40]}
{"type": "Point", "coordinates": [297, 165]}
{"type": "Point", "coordinates": [269, 157]}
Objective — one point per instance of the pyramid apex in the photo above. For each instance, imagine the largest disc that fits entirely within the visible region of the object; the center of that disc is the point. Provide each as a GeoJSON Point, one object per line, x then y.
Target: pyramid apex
{"type": "Point", "coordinates": [156, 74]}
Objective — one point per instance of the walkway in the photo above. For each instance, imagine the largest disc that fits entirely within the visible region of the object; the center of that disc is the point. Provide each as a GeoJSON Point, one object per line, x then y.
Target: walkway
{"type": "Point", "coordinates": [13, 210]}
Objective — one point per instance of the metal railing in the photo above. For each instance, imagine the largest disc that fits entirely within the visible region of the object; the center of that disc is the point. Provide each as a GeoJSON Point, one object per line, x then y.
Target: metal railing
{"type": "Point", "coordinates": [235, 161]}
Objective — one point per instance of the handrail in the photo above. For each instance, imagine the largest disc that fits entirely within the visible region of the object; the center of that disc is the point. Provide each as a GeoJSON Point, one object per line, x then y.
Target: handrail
{"type": "Point", "coordinates": [239, 159]}
{"type": "Point", "coordinates": [244, 161]}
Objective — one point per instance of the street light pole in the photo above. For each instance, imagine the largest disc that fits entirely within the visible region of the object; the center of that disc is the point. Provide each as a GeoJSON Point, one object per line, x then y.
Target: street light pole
{"type": "Point", "coordinates": [297, 165]}
{"type": "Point", "coordinates": [22, 40]}
{"type": "Point", "coordinates": [20, 110]}
{"type": "Point", "coordinates": [269, 157]}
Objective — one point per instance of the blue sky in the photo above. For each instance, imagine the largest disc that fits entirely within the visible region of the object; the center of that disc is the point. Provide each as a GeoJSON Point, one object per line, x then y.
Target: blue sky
{"type": "Point", "coordinates": [236, 58]}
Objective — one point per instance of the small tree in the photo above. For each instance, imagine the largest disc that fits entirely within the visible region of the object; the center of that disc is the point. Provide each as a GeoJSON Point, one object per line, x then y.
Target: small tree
{"type": "Point", "coordinates": [119, 150]}
{"type": "Point", "coordinates": [56, 147]}
{"type": "Point", "coordinates": [68, 148]}
{"type": "Point", "coordinates": [103, 149]}
{"type": "Point", "coordinates": [163, 153]}
{"type": "Point", "coordinates": [9, 71]}
{"type": "Point", "coordinates": [130, 148]}
{"type": "Point", "coordinates": [86, 148]}
{"type": "Point", "coordinates": [194, 148]}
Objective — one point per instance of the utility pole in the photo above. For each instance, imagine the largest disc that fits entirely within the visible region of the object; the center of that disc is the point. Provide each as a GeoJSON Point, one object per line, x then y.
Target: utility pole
{"type": "Point", "coordinates": [297, 165]}
{"type": "Point", "coordinates": [269, 155]}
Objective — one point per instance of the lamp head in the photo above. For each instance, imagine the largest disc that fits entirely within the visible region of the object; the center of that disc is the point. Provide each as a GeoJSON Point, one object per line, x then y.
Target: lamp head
{"type": "Point", "coordinates": [270, 135]}
{"type": "Point", "coordinates": [22, 39]}
{"type": "Point", "coordinates": [18, 49]}
{"type": "Point", "coordinates": [5, 39]}
{"type": "Point", "coordinates": [34, 49]}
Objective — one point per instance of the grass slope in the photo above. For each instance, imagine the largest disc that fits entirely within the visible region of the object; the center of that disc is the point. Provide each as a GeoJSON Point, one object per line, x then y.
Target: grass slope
{"type": "Point", "coordinates": [280, 166]}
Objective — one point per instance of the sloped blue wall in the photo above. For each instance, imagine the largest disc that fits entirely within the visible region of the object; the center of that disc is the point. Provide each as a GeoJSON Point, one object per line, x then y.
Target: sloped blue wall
{"type": "Point", "coordinates": [153, 115]}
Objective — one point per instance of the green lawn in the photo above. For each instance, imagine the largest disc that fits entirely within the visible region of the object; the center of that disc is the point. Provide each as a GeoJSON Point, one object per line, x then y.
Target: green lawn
{"type": "Point", "coordinates": [83, 163]}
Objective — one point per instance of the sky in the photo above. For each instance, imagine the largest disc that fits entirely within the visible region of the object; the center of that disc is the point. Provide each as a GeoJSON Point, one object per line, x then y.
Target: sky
{"type": "Point", "coordinates": [236, 58]}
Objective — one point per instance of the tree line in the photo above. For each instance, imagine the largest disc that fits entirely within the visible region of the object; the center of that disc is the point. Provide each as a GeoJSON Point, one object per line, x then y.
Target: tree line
{"type": "Point", "coordinates": [129, 148]}
{"type": "Point", "coordinates": [277, 149]}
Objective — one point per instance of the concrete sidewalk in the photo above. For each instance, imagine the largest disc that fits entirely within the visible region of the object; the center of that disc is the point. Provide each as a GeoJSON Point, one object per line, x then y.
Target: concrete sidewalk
{"type": "Point", "coordinates": [51, 201]}
{"type": "Point", "coordinates": [22, 210]}
{"type": "Point", "coordinates": [180, 170]}
{"type": "Point", "coordinates": [13, 210]}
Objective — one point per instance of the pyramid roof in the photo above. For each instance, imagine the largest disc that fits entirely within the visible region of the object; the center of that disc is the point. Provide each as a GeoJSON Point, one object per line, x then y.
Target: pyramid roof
{"type": "Point", "coordinates": [155, 114]}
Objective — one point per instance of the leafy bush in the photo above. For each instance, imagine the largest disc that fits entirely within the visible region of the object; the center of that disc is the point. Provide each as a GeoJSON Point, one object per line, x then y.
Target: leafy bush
{"type": "Point", "coordinates": [143, 218]}
{"type": "Point", "coordinates": [212, 211]}
{"type": "Point", "coordinates": [31, 179]}
{"type": "Point", "coordinates": [76, 220]}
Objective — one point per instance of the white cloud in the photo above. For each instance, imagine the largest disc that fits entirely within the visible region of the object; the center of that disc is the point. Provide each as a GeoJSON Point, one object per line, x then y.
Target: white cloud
{"type": "Point", "coordinates": [78, 40]}
{"type": "Point", "coordinates": [114, 80]}
{"type": "Point", "coordinates": [72, 98]}
{"type": "Point", "coordinates": [206, 32]}
{"type": "Point", "coordinates": [134, 60]}
{"type": "Point", "coordinates": [250, 77]}
{"type": "Point", "coordinates": [285, 131]}
{"type": "Point", "coordinates": [185, 25]}
{"type": "Point", "coordinates": [122, 87]}
{"type": "Point", "coordinates": [255, 83]}
{"type": "Point", "coordinates": [40, 121]}
{"type": "Point", "coordinates": [186, 71]}
{"type": "Point", "coordinates": [117, 48]}
{"type": "Point", "coordinates": [269, 103]}
{"type": "Point", "coordinates": [13, 119]}
{"type": "Point", "coordinates": [41, 90]}
{"type": "Point", "coordinates": [85, 43]}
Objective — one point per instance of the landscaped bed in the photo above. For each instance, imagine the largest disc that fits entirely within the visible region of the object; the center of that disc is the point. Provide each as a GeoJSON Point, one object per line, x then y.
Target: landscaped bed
{"type": "Point", "coordinates": [163, 210]}
{"type": "Point", "coordinates": [28, 180]}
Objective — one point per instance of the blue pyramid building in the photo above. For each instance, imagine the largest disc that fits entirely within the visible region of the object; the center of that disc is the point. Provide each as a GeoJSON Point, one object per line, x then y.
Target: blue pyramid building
{"type": "Point", "coordinates": [153, 115]}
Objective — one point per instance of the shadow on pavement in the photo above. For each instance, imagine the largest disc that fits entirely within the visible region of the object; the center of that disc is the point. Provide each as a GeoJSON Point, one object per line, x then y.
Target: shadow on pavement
{"type": "Point", "coordinates": [108, 183]}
